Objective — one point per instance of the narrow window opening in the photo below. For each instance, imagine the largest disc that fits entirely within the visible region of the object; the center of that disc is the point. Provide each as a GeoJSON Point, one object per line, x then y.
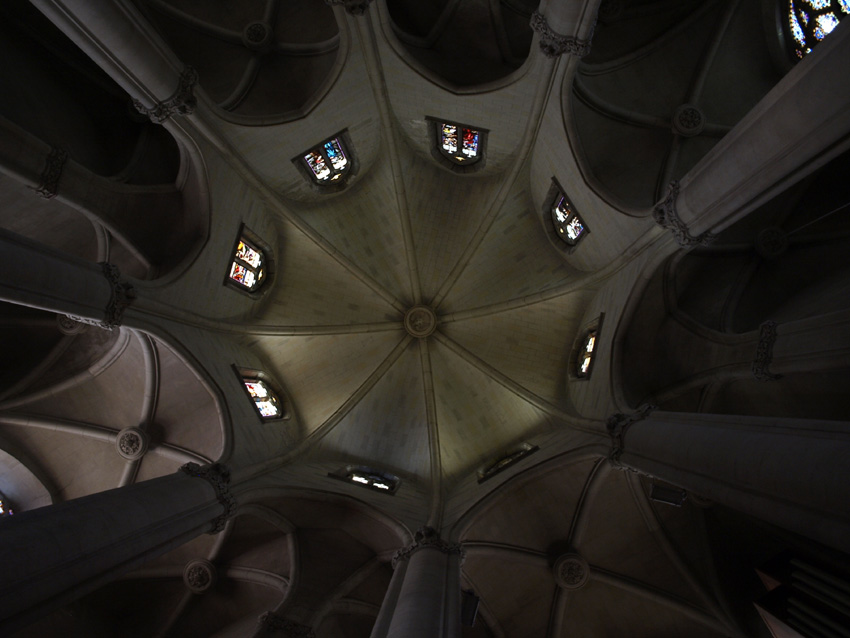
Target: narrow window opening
{"type": "Point", "coordinates": [569, 226]}
{"type": "Point", "coordinates": [369, 478]}
{"type": "Point", "coordinates": [328, 162]}
{"type": "Point", "coordinates": [248, 267]}
{"type": "Point", "coordinates": [506, 461]}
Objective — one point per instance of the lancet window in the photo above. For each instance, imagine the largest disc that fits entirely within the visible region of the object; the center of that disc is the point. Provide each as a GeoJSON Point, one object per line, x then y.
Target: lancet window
{"type": "Point", "coordinates": [328, 161]}
{"type": "Point", "coordinates": [810, 21]}
{"type": "Point", "coordinates": [368, 478]}
{"type": "Point", "coordinates": [266, 401]}
{"type": "Point", "coordinates": [584, 362]}
{"type": "Point", "coordinates": [569, 226]}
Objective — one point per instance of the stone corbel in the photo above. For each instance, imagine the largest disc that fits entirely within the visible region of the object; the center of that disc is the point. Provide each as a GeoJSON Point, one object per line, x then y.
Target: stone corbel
{"type": "Point", "coordinates": [618, 424]}
{"type": "Point", "coordinates": [217, 475]}
{"type": "Point", "coordinates": [122, 295]}
{"type": "Point", "coordinates": [428, 537]}
{"type": "Point", "coordinates": [554, 44]}
{"type": "Point", "coordinates": [183, 102]}
{"type": "Point", "coordinates": [666, 216]}
{"type": "Point", "coordinates": [48, 186]}
{"type": "Point", "coordinates": [764, 352]}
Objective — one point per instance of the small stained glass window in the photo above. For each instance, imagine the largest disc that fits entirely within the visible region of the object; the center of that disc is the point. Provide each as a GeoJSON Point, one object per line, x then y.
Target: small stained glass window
{"type": "Point", "coordinates": [810, 21]}
{"type": "Point", "coordinates": [506, 461]}
{"type": "Point", "coordinates": [328, 161]}
{"type": "Point", "coordinates": [585, 355]}
{"type": "Point", "coordinates": [5, 506]}
{"type": "Point", "coordinates": [568, 225]}
{"type": "Point", "coordinates": [461, 144]}
{"type": "Point", "coordinates": [266, 401]}
{"type": "Point", "coordinates": [367, 477]}
{"type": "Point", "coordinates": [247, 269]}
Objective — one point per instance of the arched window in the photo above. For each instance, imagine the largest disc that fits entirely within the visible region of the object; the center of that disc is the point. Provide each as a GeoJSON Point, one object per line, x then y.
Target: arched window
{"type": "Point", "coordinates": [460, 147]}
{"type": "Point", "coordinates": [328, 161]}
{"type": "Point", "coordinates": [584, 363]}
{"type": "Point", "coordinates": [568, 225]}
{"type": "Point", "coordinates": [266, 401]}
{"type": "Point", "coordinates": [248, 266]}
{"type": "Point", "coordinates": [368, 477]}
{"type": "Point", "coordinates": [810, 21]}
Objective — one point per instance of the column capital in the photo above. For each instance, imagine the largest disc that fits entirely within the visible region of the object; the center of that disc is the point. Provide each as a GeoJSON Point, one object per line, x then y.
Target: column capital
{"type": "Point", "coordinates": [617, 426]}
{"type": "Point", "coordinates": [48, 185]}
{"type": "Point", "coordinates": [428, 537]}
{"type": "Point", "coordinates": [667, 216]}
{"type": "Point", "coordinates": [182, 102]}
{"type": "Point", "coordinates": [121, 296]}
{"type": "Point", "coordinates": [554, 44]}
{"type": "Point", "coordinates": [217, 475]}
{"type": "Point", "coordinates": [764, 352]}
{"type": "Point", "coordinates": [270, 622]}
{"type": "Point", "coordinates": [353, 7]}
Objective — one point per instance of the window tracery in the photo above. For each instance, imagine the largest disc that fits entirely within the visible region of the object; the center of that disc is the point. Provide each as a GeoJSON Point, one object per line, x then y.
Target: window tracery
{"type": "Point", "coordinates": [328, 161]}
{"type": "Point", "coordinates": [810, 21]}
{"type": "Point", "coordinates": [460, 147]}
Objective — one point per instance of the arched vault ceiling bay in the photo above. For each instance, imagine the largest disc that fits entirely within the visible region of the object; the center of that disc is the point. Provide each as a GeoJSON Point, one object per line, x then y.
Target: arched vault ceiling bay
{"type": "Point", "coordinates": [530, 344]}
{"type": "Point", "coordinates": [365, 226]}
{"type": "Point", "coordinates": [515, 258]}
{"type": "Point", "coordinates": [445, 212]}
{"type": "Point", "coordinates": [389, 425]}
{"type": "Point", "coordinates": [478, 417]}
{"type": "Point", "coordinates": [321, 372]}
{"type": "Point", "coordinates": [313, 288]}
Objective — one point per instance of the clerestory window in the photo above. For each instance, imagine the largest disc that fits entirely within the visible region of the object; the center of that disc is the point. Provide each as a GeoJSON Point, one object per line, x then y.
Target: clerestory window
{"type": "Point", "coordinates": [5, 506]}
{"type": "Point", "coordinates": [328, 162]}
{"type": "Point", "coordinates": [248, 267]}
{"type": "Point", "coordinates": [506, 461]}
{"type": "Point", "coordinates": [266, 401]}
{"type": "Point", "coordinates": [584, 362]}
{"type": "Point", "coordinates": [460, 144]}
{"type": "Point", "coordinates": [810, 21]}
{"type": "Point", "coordinates": [368, 477]}
{"type": "Point", "coordinates": [569, 226]}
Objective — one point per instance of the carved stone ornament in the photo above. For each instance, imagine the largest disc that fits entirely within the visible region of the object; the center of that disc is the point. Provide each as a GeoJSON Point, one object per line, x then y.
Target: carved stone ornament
{"type": "Point", "coordinates": [68, 325]}
{"type": "Point", "coordinates": [48, 186]}
{"type": "Point", "coordinates": [217, 475]}
{"type": "Point", "coordinates": [256, 36]}
{"type": "Point", "coordinates": [182, 102]}
{"type": "Point", "coordinates": [132, 443]}
{"type": "Point", "coordinates": [771, 242]}
{"type": "Point", "coordinates": [665, 215]}
{"type": "Point", "coordinates": [764, 352]}
{"type": "Point", "coordinates": [554, 44]}
{"type": "Point", "coordinates": [428, 537]}
{"type": "Point", "coordinates": [270, 622]}
{"type": "Point", "coordinates": [618, 424]}
{"type": "Point", "coordinates": [688, 121]}
{"type": "Point", "coordinates": [420, 321]}
{"type": "Point", "coordinates": [571, 571]}
{"type": "Point", "coordinates": [121, 296]}
{"type": "Point", "coordinates": [199, 575]}
{"type": "Point", "coordinates": [354, 7]}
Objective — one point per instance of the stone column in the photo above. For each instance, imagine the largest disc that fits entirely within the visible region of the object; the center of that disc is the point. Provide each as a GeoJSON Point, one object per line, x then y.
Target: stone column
{"type": "Point", "coordinates": [424, 597]}
{"type": "Point", "coordinates": [801, 124]}
{"type": "Point", "coordinates": [36, 276]}
{"type": "Point", "coordinates": [53, 555]}
{"type": "Point", "coordinates": [789, 472]}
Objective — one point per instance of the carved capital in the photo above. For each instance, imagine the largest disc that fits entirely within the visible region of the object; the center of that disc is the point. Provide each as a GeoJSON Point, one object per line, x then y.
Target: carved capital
{"type": "Point", "coordinates": [764, 352]}
{"type": "Point", "coordinates": [428, 537]}
{"type": "Point", "coordinates": [48, 185]}
{"type": "Point", "coordinates": [270, 622]}
{"type": "Point", "coordinates": [199, 575]}
{"type": "Point", "coordinates": [123, 293]}
{"type": "Point", "coordinates": [666, 216]}
{"type": "Point", "coordinates": [618, 424]}
{"type": "Point", "coordinates": [554, 44]}
{"type": "Point", "coordinates": [353, 7]}
{"type": "Point", "coordinates": [182, 102]}
{"type": "Point", "coordinates": [218, 476]}
{"type": "Point", "coordinates": [69, 325]}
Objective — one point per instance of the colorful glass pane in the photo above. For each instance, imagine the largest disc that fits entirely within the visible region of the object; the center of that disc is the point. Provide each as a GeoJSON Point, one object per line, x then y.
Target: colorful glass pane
{"type": "Point", "coordinates": [267, 408]}
{"type": "Point", "coordinates": [585, 363]}
{"type": "Point", "coordinates": [826, 23]}
{"type": "Point", "coordinates": [470, 142]}
{"type": "Point", "coordinates": [318, 165]}
{"type": "Point", "coordinates": [257, 389]}
{"type": "Point", "coordinates": [845, 5]}
{"type": "Point", "coordinates": [335, 154]}
{"type": "Point", "coordinates": [575, 228]}
{"type": "Point", "coordinates": [248, 254]}
{"type": "Point", "coordinates": [818, 4]}
{"type": "Point", "coordinates": [562, 211]}
{"type": "Point", "coordinates": [449, 139]}
{"type": "Point", "coordinates": [267, 403]}
{"type": "Point", "coordinates": [810, 21]}
{"type": "Point", "coordinates": [238, 272]}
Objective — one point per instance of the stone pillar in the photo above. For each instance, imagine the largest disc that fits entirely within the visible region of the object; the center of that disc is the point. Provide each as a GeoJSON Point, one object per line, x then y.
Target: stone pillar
{"type": "Point", "coordinates": [424, 597]}
{"type": "Point", "coordinates": [789, 472]}
{"type": "Point", "coordinates": [801, 124]}
{"type": "Point", "coordinates": [36, 276]}
{"type": "Point", "coordinates": [111, 34]}
{"type": "Point", "coordinates": [53, 555]}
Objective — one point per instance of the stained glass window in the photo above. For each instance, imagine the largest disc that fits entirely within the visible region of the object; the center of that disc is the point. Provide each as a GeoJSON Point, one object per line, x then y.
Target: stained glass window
{"type": "Point", "coordinates": [568, 225]}
{"type": "Point", "coordinates": [810, 21]}
{"type": "Point", "coordinates": [248, 266]}
{"type": "Point", "coordinates": [461, 144]}
{"type": "Point", "coordinates": [367, 477]}
{"type": "Point", "coordinates": [506, 461]}
{"type": "Point", "coordinates": [585, 355]}
{"type": "Point", "coordinates": [265, 400]}
{"type": "Point", "coordinates": [5, 506]}
{"type": "Point", "coordinates": [328, 161]}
